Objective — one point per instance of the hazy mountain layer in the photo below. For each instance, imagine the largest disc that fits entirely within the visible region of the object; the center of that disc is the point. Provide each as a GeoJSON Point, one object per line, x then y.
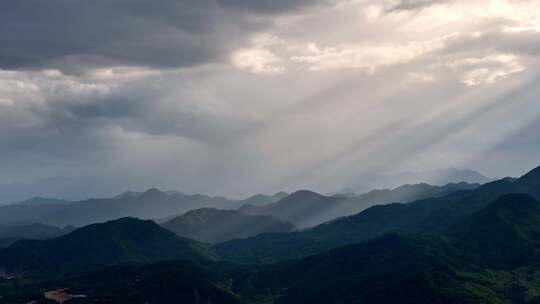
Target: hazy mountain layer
{"type": "Point", "coordinates": [152, 204]}
{"type": "Point", "coordinates": [213, 225]}
{"type": "Point", "coordinates": [306, 208]}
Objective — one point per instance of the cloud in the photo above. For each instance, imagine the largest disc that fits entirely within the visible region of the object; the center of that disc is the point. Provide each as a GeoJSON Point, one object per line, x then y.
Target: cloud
{"type": "Point", "coordinates": [258, 61]}
{"type": "Point", "coordinates": [237, 97]}
{"type": "Point", "coordinates": [421, 77]}
{"type": "Point", "coordinates": [365, 57]}
{"type": "Point", "coordinates": [486, 70]}
{"type": "Point", "coordinates": [72, 35]}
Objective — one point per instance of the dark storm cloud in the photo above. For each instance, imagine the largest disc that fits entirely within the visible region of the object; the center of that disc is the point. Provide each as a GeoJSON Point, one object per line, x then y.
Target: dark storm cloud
{"type": "Point", "coordinates": [72, 34]}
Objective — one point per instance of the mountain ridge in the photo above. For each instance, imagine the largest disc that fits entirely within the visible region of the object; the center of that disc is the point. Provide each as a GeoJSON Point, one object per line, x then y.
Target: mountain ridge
{"type": "Point", "coordinates": [214, 225]}
{"type": "Point", "coordinates": [118, 241]}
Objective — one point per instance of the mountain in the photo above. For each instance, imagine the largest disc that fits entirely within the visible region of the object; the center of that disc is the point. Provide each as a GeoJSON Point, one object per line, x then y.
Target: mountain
{"type": "Point", "coordinates": [30, 211]}
{"type": "Point", "coordinates": [139, 283]}
{"type": "Point", "coordinates": [442, 176]}
{"type": "Point", "coordinates": [505, 234]}
{"type": "Point", "coordinates": [39, 201]}
{"type": "Point", "coordinates": [147, 205]}
{"type": "Point", "coordinates": [33, 231]}
{"type": "Point", "coordinates": [151, 204]}
{"type": "Point", "coordinates": [214, 225]}
{"type": "Point", "coordinates": [426, 215]}
{"type": "Point", "coordinates": [155, 204]}
{"type": "Point", "coordinates": [306, 208]}
{"type": "Point", "coordinates": [391, 269]}
{"type": "Point", "coordinates": [437, 177]}
{"type": "Point", "coordinates": [469, 246]}
{"type": "Point", "coordinates": [128, 194]}
{"type": "Point", "coordinates": [118, 241]}
{"type": "Point", "coordinates": [162, 282]}
{"type": "Point", "coordinates": [302, 208]}
{"type": "Point", "coordinates": [490, 256]}
{"type": "Point", "coordinates": [263, 200]}
{"type": "Point", "coordinates": [6, 242]}
{"type": "Point", "coordinates": [408, 193]}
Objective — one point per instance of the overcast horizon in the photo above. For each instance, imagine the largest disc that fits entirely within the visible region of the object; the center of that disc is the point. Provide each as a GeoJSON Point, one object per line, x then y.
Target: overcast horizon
{"type": "Point", "coordinates": [237, 97]}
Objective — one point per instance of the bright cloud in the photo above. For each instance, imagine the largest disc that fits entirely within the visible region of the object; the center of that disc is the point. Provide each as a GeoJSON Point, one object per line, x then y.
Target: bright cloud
{"type": "Point", "coordinates": [365, 57]}
{"type": "Point", "coordinates": [257, 61]}
{"type": "Point", "coordinates": [487, 70]}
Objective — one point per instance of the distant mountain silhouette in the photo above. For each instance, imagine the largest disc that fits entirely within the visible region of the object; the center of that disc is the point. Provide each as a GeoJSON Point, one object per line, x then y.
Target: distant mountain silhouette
{"type": "Point", "coordinates": [148, 205]}
{"type": "Point", "coordinates": [30, 211]}
{"type": "Point", "coordinates": [437, 177]}
{"type": "Point", "coordinates": [39, 201]}
{"type": "Point", "coordinates": [118, 241]}
{"type": "Point", "coordinates": [151, 204]}
{"type": "Point", "coordinates": [213, 225]}
{"type": "Point", "coordinates": [34, 231]}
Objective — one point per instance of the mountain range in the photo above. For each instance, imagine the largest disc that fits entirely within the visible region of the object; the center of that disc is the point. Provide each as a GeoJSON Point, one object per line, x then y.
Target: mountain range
{"type": "Point", "coordinates": [151, 204]}
{"type": "Point", "coordinates": [431, 214]}
{"type": "Point", "coordinates": [476, 245]}
{"type": "Point", "coordinates": [488, 258]}
{"type": "Point", "coordinates": [306, 208]}
{"type": "Point", "coordinates": [437, 177]}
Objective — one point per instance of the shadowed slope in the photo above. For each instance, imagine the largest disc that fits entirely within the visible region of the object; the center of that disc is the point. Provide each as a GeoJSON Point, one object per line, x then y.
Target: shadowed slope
{"type": "Point", "coordinates": [119, 241]}
{"type": "Point", "coordinates": [505, 234]}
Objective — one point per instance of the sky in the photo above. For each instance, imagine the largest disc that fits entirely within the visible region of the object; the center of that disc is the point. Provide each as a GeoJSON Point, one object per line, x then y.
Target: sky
{"type": "Point", "coordinates": [236, 97]}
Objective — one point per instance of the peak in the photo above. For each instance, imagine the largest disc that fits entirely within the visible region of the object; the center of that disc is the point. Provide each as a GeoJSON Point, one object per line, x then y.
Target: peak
{"type": "Point", "coordinates": [304, 193]}
{"type": "Point", "coordinates": [533, 174]}
{"type": "Point", "coordinates": [126, 220]}
{"type": "Point", "coordinates": [409, 186]}
{"type": "Point", "coordinates": [153, 192]}
{"type": "Point", "coordinates": [38, 200]}
{"type": "Point", "coordinates": [204, 211]}
{"type": "Point", "coordinates": [128, 194]}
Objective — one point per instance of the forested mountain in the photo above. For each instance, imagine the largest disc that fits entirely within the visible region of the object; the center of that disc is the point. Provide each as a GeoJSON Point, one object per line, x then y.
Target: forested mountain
{"type": "Point", "coordinates": [489, 257]}
{"type": "Point", "coordinates": [119, 241]}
